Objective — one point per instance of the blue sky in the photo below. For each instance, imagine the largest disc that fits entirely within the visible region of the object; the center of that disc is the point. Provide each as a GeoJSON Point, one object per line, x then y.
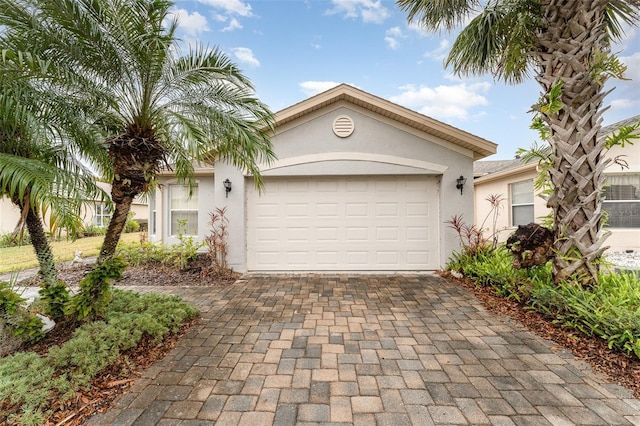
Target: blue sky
{"type": "Point", "coordinates": [293, 49]}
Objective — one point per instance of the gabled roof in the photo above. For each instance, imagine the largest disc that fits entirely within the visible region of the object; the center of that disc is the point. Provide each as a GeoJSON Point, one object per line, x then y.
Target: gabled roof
{"type": "Point", "coordinates": [480, 147]}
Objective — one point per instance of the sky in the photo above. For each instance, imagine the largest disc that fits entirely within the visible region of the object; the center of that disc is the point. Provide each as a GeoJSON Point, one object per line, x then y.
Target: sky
{"type": "Point", "coordinates": [294, 49]}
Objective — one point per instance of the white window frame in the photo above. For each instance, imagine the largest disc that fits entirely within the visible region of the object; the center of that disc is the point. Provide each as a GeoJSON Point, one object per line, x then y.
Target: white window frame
{"type": "Point", "coordinates": [101, 215]}
{"type": "Point", "coordinates": [153, 210]}
{"type": "Point", "coordinates": [513, 205]}
{"type": "Point", "coordinates": [194, 197]}
{"type": "Point", "coordinates": [630, 202]}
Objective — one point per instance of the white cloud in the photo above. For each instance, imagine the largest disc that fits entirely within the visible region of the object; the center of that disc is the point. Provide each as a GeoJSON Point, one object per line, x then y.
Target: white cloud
{"type": "Point", "coordinates": [245, 56]}
{"type": "Point", "coordinates": [444, 102]}
{"type": "Point", "coordinates": [234, 24]}
{"type": "Point", "coordinates": [231, 7]}
{"type": "Point", "coordinates": [392, 37]}
{"type": "Point", "coordinates": [623, 104]}
{"type": "Point", "coordinates": [368, 10]}
{"type": "Point", "coordinates": [193, 24]}
{"type": "Point", "coordinates": [440, 52]}
{"type": "Point", "coordinates": [633, 67]}
{"type": "Point", "coordinates": [311, 88]}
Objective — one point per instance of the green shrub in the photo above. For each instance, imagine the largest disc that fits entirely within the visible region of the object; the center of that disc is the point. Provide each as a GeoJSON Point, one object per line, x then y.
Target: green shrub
{"type": "Point", "coordinates": [187, 249]}
{"type": "Point", "coordinates": [610, 311]}
{"type": "Point", "coordinates": [11, 240]}
{"type": "Point", "coordinates": [136, 254]}
{"type": "Point", "coordinates": [17, 324]}
{"type": "Point", "coordinates": [95, 290]}
{"type": "Point", "coordinates": [131, 225]}
{"type": "Point", "coordinates": [30, 383]}
{"type": "Point", "coordinates": [91, 230]}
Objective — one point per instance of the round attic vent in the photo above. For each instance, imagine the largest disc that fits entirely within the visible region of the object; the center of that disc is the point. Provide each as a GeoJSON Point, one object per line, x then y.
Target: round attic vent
{"type": "Point", "coordinates": [343, 126]}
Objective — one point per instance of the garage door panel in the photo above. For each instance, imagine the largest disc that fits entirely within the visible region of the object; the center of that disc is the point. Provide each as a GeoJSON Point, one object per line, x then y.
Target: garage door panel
{"type": "Point", "coordinates": [418, 209]}
{"type": "Point", "coordinates": [387, 233]}
{"type": "Point", "coordinates": [343, 223]}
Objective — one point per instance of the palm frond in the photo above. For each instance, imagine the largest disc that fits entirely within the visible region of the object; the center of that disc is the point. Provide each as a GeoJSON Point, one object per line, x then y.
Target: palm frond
{"type": "Point", "coordinates": [438, 15]}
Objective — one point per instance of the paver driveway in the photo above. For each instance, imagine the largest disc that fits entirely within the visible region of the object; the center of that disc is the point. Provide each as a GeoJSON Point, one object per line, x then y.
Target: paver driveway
{"type": "Point", "coordinates": [366, 349]}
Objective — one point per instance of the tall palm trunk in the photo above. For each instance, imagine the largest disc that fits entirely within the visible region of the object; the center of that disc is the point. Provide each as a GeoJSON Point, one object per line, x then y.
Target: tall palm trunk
{"type": "Point", "coordinates": [53, 292]}
{"type": "Point", "coordinates": [136, 156]}
{"type": "Point", "coordinates": [117, 223]}
{"type": "Point", "coordinates": [570, 45]}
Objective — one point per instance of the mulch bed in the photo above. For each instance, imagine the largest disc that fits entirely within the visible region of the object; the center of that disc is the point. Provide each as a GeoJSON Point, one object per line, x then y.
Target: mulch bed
{"type": "Point", "coordinates": [616, 366]}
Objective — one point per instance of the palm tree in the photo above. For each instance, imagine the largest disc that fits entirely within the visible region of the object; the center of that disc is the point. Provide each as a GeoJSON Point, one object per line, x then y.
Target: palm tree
{"type": "Point", "coordinates": [39, 172]}
{"type": "Point", "coordinates": [567, 43]}
{"type": "Point", "coordinates": [158, 107]}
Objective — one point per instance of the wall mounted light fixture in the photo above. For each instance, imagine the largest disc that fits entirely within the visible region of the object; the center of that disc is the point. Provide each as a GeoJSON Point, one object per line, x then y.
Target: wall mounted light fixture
{"type": "Point", "coordinates": [227, 187]}
{"type": "Point", "coordinates": [460, 183]}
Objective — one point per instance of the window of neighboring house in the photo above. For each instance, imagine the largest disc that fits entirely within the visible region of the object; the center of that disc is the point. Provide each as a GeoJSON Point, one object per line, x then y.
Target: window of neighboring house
{"type": "Point", "coordinates": [622, 200]}
{"type": "Point", "coordinates": [152, 213]}
{"type": "Point", "coordinates": [102, 215]}
{"type": "Point", "coordinates": [521, 194]}
{"type": "Point", "coordinates": [182, 208]}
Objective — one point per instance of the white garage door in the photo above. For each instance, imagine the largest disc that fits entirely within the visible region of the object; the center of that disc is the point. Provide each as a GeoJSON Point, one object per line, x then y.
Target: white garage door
{"type": "Point", "coordinates": [376, 223]}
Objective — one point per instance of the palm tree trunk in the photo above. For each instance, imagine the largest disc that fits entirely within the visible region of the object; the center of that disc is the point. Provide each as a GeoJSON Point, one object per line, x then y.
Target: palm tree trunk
{"type": "Point", "coordinates": [116, 226]}
{"type": "Point", "coordinates": [41, 246]}
{"type": "Point", "coordinates": [53, 292]}
{"type": "Point", "coordinates": [570, 45]}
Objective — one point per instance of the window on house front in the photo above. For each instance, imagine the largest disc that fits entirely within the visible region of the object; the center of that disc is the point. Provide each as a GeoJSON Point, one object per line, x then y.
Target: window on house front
{"type": "Point", "coordinates": [152, 213]}
{"type": "Point", "coordinates": [521, 198]}
{"type": "Point", "coordinates": [102, 215]}
{"type": "Point", "coordinates": [622, 200]}
{"type": "Point", "coordinates": [183, 210]}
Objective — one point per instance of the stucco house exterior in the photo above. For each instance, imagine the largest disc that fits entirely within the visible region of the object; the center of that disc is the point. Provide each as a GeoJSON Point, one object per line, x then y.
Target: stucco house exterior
{"type": "Point", "coordinates": [93, 214]}
{"type": "Point", "coordinates": [360, 184]}
{"type": "Point", "coordinates": [514, 181]}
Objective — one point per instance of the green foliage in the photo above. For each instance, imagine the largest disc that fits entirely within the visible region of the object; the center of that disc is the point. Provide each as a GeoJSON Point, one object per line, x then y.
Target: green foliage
{"type": "Point", "coordinates": [16, 323]}
{"type": "Point", "coordinates": [131, 225]}
{"type": "Point", "coordinates": [91, 230]}
{"type": "Point", "coordinates": [136, 254]}
{"type": "Point", "coordinates": [55, 297]}
{"type": "Point", "coordinates": [29, 383]}
{"type": "Point", "coordinates": [12, 240]}
{"type": "Point", "coordinates": [187, 249]}
{"type": "Point", "coordinates": [624, 135]}
{"type": "Point", "coordinates": [605, 65]}
{"type": "Point", "coordinates": [95, 290]}
{"type": "Point", "coordinates": [610, 311]}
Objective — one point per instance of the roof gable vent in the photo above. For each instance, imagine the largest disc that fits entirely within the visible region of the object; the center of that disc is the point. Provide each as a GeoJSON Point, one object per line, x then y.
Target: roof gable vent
{"type": "Point", "coordinates": [343, 126]}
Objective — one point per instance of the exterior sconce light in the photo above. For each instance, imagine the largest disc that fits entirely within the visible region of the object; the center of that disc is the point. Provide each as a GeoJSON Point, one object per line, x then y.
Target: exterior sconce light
{"type": "Point", "coordinates": [227, 187]}
{"type": "Point", "coordinates": [460, 183]}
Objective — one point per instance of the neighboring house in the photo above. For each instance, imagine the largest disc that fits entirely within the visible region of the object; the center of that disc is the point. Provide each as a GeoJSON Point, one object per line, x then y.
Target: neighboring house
{"type": "Point", "coordinates": [514, 181]}
{"type": "Point", "coordinates": [360, 183]}
{"type": "Point", "coordinates": [99, 214]}
{"type": "Point", "coordinates": [93, 214]}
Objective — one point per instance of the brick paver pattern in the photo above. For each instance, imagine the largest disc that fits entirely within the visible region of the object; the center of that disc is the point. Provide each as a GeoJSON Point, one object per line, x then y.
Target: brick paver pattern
{"type": "Point", "coordinates": [362, 350]}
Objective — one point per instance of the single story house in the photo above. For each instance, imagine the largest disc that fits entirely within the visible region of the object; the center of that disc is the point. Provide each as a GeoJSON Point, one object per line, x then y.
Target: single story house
{"type": "Point", "coordinates": [94, 214]}
{"type": "Point", "coordinates": [513, 179]}
{"type": "Point", "coordinates": [359, 184]}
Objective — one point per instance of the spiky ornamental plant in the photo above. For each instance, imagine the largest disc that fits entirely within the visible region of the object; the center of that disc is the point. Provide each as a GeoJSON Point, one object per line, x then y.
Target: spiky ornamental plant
{"type": "Point", "coordinates": [567, 43]}
{"type": "Point", "coordinates": [158, 106]}
{"type": "Point", "coordinates": [40, 136]}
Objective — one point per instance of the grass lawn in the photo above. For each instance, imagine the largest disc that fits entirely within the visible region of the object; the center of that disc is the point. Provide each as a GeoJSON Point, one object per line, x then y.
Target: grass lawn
{"type": "Point", "coordinates": [23, 257]}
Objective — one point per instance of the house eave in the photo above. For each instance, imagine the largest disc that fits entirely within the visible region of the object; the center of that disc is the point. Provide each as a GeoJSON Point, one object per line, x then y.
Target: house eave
{"type": "Point", "coordinates": [525, 168]}
{"type": "Point", "coordinates": [480, 147]}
